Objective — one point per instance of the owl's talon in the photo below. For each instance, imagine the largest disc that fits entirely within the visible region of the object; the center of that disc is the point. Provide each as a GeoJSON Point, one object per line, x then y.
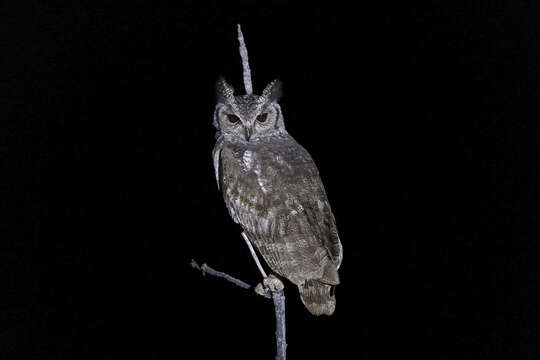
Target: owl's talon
{"type": "Point", "coordinates": [273, 283]}
{"type": "Point", "coordinates": [261, 290]}
{"type": "Point", "coordinates": [269, 285]}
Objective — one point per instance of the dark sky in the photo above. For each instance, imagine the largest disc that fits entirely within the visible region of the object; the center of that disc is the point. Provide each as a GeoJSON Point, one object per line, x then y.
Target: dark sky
{"type": "Point", "coordinates": [422, 119]}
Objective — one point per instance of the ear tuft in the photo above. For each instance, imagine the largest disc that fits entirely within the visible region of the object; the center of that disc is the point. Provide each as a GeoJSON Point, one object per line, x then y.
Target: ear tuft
{"type": "Point", "coordinates": [273, 91]}
{"type": "Point", "coordinates": [224, 91]}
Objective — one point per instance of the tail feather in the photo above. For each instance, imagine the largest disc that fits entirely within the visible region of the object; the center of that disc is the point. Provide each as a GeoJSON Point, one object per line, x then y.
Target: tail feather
{"type": "Point", "coordinates": [318, 297]}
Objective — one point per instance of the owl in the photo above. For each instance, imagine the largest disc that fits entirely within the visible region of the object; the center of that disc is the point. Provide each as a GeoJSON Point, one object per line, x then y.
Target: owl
{"type": "Point", "coordinates": [272, 188]}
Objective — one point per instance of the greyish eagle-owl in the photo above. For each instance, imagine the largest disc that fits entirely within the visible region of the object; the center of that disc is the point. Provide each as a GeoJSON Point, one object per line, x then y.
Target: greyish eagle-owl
{"type": "Point", "coordinates": [272, 188]}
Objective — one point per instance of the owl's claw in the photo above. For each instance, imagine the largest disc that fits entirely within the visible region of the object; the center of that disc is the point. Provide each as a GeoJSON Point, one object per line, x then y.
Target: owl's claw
{"type": "Point", "coordinates": [273, 283]}
{"type": "Point", "coordinates": [270, 284]}
{"type": "Point", "coordinates": [260, 290]}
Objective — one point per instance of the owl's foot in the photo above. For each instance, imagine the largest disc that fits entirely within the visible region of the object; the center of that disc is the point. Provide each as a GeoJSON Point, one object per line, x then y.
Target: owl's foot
{"type": "Point", "coordinates": [269, 284]}
{"type": "Point", "coordinates": [273, 283]}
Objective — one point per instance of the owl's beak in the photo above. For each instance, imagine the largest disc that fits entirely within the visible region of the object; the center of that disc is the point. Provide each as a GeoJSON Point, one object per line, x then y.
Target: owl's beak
{"type": "Point", "coordinates": [248, 132]}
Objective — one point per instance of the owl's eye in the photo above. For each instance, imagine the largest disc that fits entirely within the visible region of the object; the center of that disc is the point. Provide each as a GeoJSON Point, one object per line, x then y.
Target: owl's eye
{"type": "Point", "coordinates": [262, 117]}
{"type": "Point", "coordinates": [233, 118]}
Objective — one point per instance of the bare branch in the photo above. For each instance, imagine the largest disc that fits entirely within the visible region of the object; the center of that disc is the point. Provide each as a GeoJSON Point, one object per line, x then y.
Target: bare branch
{"type": "Point", "coordinates": [270, 284]}
{"type": "Point", "coordinates": [208, 270]}
{"type": "Point", "coordinates": [278, 296]}
{"type": "Point", "coordinates": [254, 255]}
{"type": "Point", "coordinates": [245, 62]}
{"type": "Point", "coordinates": [205, 269]}
{"type": "Point", "coordinates": [279, 307]}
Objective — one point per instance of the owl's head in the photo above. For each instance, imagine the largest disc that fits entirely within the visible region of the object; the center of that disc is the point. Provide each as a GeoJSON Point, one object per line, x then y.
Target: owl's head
{"type": "Point", "coordinates": [248, 117]}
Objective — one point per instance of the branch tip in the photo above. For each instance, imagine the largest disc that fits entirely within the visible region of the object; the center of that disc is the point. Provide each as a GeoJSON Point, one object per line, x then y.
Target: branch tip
{"type": "Point", "coordinates": [245, 62]}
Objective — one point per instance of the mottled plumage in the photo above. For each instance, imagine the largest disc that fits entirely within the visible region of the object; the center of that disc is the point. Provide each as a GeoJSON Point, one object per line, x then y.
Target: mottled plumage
{"type": "Point", "coordinates": [272, 188]}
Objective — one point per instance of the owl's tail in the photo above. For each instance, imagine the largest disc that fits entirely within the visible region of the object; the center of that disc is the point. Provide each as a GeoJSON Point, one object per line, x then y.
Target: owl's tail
{"type": "Point", "coordinates": [318, 297]}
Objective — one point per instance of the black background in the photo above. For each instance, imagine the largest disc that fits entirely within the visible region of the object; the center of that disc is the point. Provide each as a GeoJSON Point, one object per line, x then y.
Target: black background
{"type": "Point", "coordinates": [422, 118]}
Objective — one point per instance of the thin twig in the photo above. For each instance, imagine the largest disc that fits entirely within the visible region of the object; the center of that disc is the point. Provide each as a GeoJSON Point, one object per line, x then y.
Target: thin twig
{"type": "Point", "coordinates": [205, 269]}
{"type": "Point", "coordinates": [254, 255]}
{"type": "Point", "coordinates": [245, 62]}
{"type": "Point", "coordinates": [208, 270]}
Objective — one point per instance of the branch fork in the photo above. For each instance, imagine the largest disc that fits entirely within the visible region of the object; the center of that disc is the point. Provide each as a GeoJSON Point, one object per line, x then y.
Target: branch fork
{"type": "Point", "coordinates": [271, 287]}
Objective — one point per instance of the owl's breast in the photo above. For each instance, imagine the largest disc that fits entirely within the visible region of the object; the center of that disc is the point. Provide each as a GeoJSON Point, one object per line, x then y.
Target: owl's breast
{"type": "Point", "coordinates": [273, 190]}
{"type": "Point", "coordinates": [265, 180]}
{"type": "Point", "coordinates": [266, 167]}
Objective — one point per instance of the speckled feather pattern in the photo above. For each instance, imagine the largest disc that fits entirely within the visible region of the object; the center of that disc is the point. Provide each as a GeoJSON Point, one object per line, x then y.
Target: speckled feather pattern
{"type": "Point", "coordinates": [272, 188]}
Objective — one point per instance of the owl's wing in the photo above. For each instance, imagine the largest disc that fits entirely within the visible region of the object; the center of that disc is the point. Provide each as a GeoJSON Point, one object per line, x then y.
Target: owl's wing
{"type": "Point", "coordinates": [317, 210]}
{"type": "Point", "coordinates": [277, 196]}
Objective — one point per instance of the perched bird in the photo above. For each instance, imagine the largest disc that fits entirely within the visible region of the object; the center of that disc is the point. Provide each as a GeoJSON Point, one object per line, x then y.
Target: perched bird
{"type": "Point", "coordinates": [272, 188]}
